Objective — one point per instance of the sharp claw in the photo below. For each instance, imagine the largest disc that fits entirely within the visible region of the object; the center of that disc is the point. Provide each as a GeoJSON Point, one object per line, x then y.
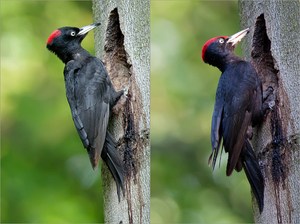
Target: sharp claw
{"type": "Point", "coordinates": [268, 92]}
{"type": "Point", "coordinates": [268, 99]}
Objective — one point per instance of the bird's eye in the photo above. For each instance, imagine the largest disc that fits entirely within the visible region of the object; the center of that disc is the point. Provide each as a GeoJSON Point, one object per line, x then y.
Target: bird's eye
{"type": "Point", "coordinates": [73, 33]}
{"type": "Point", "coordinates": [221, 40]}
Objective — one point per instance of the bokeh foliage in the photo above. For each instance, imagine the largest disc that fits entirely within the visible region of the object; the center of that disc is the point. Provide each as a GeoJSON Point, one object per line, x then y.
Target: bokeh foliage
{"type": "Point", "coordinates": [45, 172]}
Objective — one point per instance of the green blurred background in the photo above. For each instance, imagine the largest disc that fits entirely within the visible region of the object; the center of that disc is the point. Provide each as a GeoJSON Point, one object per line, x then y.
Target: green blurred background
{"type": "Point", "coordinates": [45, 172]}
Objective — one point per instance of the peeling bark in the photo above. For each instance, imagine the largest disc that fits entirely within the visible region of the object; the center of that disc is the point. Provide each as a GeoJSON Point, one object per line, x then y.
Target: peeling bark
{"type": "Point", "coordinates": [273, 46]}
{"type": "Point", "coordinates": [123, 43]}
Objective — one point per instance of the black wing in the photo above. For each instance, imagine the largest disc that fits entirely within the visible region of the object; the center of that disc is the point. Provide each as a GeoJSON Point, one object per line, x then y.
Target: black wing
{"type": "Point", "coordinates": [216, 133]}
{"type": "Point", "coordinates": [88, 94]}
{"type": "Point", "coordinates": [233, 112]}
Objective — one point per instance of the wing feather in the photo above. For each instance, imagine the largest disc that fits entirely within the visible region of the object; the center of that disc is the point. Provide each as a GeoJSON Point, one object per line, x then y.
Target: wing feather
{"type": "Point", "coordinates": [216, 134]}
{"type": "Point", "coordinates": [233, 112]}
{"type": "Point", "coordinates": [88, 95]}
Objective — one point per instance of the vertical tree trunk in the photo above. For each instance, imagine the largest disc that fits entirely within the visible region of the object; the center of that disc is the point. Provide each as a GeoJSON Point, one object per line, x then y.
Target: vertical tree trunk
{"type": "Point", "coordinates": [274, 46]}
{"type": "Point", "coordinates": [123, 43]}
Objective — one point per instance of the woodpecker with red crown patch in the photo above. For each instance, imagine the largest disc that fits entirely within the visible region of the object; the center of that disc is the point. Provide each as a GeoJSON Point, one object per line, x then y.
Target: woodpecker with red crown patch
{"type": "Point", "coordinates": [238, 108]}
{"type": "Point", "coordinates": [90, 95]}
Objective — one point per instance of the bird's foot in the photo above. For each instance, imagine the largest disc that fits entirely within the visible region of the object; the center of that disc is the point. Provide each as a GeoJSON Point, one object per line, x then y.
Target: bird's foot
{"type": "Point", "coordinates": [267, 93]}
{"type": "Point", "coordinates": [120, 102]}
{"type": "Point", "coordinates": [268, 99]}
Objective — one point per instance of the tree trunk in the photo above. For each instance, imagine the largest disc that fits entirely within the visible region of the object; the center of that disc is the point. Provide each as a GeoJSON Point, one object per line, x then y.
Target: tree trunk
{"type": "Point", "coordinates": [123, 43]}
{"type": "Point", "coordinates": [273, 46]}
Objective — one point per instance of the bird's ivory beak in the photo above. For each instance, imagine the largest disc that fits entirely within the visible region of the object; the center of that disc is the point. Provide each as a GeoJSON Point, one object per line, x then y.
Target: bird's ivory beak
{"type": "Point", "coordinates": [235, 38]}
{"type": "Point", "coordinates": [86, 29]}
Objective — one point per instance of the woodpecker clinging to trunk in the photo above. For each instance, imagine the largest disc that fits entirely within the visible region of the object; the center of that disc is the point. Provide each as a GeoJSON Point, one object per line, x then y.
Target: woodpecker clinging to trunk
{"type": "Point", "coordinates": [91, 97]}
{"type": "Point", "coordinates": [238, 107]}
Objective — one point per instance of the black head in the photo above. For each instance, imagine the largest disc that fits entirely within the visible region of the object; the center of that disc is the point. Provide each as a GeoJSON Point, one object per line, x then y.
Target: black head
{"type": "Point", "coordinates": [216, 51]}
{"type": "Point", "coordinates": [66, 41]}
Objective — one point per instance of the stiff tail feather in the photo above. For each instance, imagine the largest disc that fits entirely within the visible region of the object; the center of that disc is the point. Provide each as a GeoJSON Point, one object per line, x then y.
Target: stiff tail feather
{"type": "Point", "coordinates": [253, 173]}
{"type": "Point", "coordinates": [112, 159]}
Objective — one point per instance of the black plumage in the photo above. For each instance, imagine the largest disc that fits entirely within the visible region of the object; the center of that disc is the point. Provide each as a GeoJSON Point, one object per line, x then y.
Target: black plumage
{"type": "Point", "coordinates": [238, 108]}
{"type": "Point", "coordinates": [91, 97]}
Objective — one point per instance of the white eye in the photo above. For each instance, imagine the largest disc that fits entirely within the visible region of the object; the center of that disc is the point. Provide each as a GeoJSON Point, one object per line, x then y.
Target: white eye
{"type": "Point", "coordinates": [221, 40]}
{"type": "Point", "coordinates": [73, 33]}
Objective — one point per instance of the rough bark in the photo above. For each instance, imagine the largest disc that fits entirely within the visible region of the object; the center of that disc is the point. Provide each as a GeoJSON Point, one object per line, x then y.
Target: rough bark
{"type": "Point", "coordinates": [123, 43]}
{"type": "Point", "coordinates": [273, 46]}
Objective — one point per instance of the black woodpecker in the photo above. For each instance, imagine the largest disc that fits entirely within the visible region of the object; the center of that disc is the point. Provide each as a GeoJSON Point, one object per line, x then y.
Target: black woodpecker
{"type": "Point", "coordinates": [91, 97]}
{"type": "Point", "coordinates": [238, 108]}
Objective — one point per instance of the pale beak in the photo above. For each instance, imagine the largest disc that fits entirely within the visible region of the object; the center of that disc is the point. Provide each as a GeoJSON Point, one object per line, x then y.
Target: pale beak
{"type": "Point", "coordinates": [235, 38]}
{"type": "Point", "coordinates": [86, 29]}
